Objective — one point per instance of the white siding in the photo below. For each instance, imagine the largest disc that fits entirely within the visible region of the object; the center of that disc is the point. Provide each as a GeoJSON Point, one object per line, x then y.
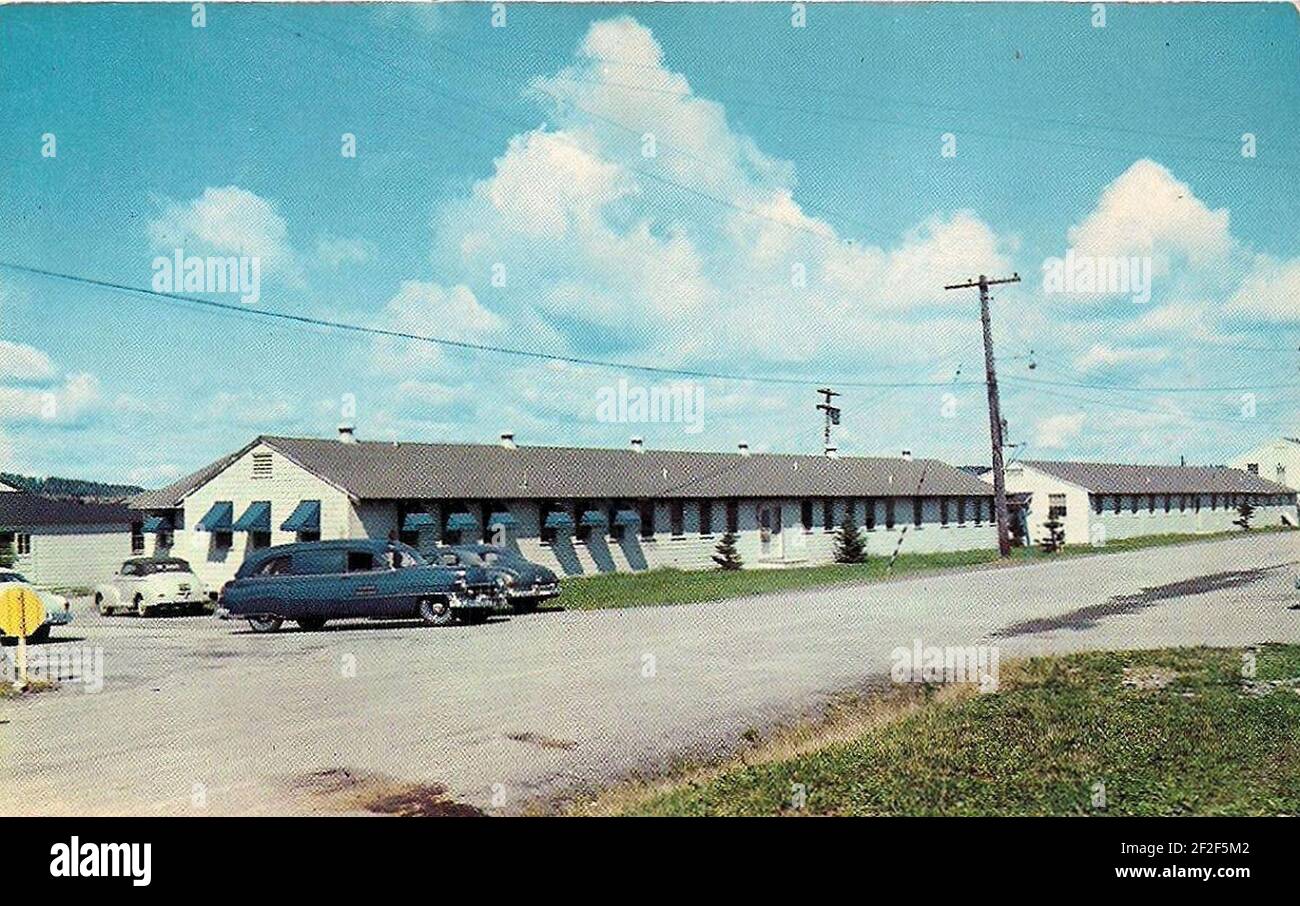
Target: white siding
{"type": "Point", "coordinates": [74, 555]}
{"type": "Point", "coordinates": [287, 485]}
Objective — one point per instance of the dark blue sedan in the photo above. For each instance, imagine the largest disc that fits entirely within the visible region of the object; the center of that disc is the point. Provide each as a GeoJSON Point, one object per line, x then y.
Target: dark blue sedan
{"type": "Point", "coordinates": [316, 581]}
{"type": "Point", "coordinates": [527, 584]}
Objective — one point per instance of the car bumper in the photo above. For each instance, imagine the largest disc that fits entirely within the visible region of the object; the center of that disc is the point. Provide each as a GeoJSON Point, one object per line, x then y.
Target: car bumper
{"type": "Point", "coordinates": [474, 599]}
{"type": "Point", "coordinates": [58, 617]}
{"type": "Point", "coordinates": [539, 592]}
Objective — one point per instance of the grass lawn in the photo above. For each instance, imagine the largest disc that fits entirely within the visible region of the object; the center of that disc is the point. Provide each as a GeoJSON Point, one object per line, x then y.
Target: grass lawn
{"type": "Point", "coordinates": [674, 586]}
{"type": "Point", "coordinates": [1186, 735]}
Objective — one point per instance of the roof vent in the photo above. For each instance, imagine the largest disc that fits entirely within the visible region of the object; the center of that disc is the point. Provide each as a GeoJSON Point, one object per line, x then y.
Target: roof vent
{"type": "Point", "coordinates": [347, 434]}
{"type": "Point", "coordinates": [832, 452]}
{"type": "Point", "coordinates": [743, 447]}
{"type": "Point", "coordinates": [638, 445]}
{"type": "Point", "coordinates": [907, 454]}
{"type": "Point", "coordinates": [508, 441]}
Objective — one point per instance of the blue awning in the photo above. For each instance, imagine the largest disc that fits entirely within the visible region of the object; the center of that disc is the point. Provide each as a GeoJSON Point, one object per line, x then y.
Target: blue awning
{"type": "Point", "coordinates": [304, 518]}
{"type": "Point", "coordinates": [627, 517]}
{"type": "Point", "coordinates": [506, 520]}
{"type": "Point", "coordinates": [218, 518]}
{"type": "Point", "coordinates": [461, 522]}
{"type": "Point", "coordinates": [558, 519]}
{"type": "Point", "coordinates": [257, 518]}
{"type": "Point", "coordinates": [155, 524]}
{"type": "Point", "coordinates": [594, 518]}
{"type": "Point", "coordinates": [416, 521]}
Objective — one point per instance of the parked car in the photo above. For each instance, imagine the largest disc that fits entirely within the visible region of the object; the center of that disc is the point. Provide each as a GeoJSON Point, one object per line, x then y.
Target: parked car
{"type": "Point", "coordinates": [315, 581]}
{"type": "Point", "coordinates": [58, 610]}
{"type": "Point", "coordinates": [528, 584]}
{"type": "Point", "coordinates": [147, 585]}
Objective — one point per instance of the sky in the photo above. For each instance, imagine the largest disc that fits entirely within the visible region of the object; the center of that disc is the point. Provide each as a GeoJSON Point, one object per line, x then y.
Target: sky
{"type": "Point", "coordinates": [704, 189]}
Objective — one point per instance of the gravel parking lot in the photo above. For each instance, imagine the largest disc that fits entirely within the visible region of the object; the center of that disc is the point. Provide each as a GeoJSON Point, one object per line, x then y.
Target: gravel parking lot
{"type": "Point", "coordinates": [200, 716]}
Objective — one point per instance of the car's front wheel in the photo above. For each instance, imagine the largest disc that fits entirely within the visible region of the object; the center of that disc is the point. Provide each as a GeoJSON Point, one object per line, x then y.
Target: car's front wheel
{"type": "Point", "coordinates": [42, 634]}
{"type": "Point", "coordinates": [265, 624]}
{"type": "Point", "coordinates": [437, 611]}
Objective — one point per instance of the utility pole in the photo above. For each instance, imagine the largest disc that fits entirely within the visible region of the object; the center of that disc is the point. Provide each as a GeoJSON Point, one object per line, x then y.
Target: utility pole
{"type": "Point", "coordinates": [995, 410]}
{"type": "Point", "coordinates": [832, 415]}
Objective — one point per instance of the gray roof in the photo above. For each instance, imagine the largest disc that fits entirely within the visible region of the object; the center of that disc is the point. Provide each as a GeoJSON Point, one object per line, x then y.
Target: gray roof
{"type": "Point", "coordinates": [19, 509]}
{"type": "Point", "coordinates": [387, 470]}
{"type": "Point", "coordinates": [1117, 478]}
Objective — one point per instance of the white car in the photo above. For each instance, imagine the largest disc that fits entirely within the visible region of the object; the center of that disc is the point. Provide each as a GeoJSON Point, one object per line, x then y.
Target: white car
{"type": "Point", "coordinates": [58, 610]}
{"type": "Point", "coordinates": [145, 585]}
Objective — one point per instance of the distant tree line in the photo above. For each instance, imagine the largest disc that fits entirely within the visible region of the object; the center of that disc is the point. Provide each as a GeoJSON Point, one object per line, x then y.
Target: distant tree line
{"type": "Point", "coordinates": [69, 487]}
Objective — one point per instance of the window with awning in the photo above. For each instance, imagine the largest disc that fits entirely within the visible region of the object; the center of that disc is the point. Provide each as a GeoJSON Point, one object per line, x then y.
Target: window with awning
{"type": "Point", "coordinates": [503, 519]}
{"type": "Point", "coordinates": [304, 518]}
{"type": "Point", "coordinates": [461, 522]}
{"type": "Point", "coordinates": [415, 521]}
{"type": "Point", "coordinates": [154, 525]}
{"type": "Point", "coordinates": [257, 518]}
{"type": "Point", "coordinates": [218, 518]}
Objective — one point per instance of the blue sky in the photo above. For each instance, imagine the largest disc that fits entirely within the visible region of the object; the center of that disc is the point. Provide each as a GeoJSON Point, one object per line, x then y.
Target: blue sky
{"type": "Point", "coordinates": [521, 151]}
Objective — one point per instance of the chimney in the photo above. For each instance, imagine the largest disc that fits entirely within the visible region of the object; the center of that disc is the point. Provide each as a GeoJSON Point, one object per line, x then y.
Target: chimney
{"type": "Point", "coordinates": [508, 440]}
{"type": "Point", "coordinates": [743, 447]}
{"type": "Point", "coordinates": [347, 434]}
{"type": "Point", "coordinates": [907, 454]}
{"type": "Point", "coordinates": [832, 453]}
{"type": "Point", "coordinates": [638, 445]}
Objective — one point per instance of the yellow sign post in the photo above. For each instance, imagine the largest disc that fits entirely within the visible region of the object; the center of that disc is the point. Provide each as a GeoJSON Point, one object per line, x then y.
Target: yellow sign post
{"type": "Point", "coordinates": [21, 614]}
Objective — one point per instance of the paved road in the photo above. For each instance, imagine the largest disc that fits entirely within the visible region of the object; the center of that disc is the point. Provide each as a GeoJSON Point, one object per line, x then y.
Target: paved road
{"type": "Point", "coordinates": [200, 716]}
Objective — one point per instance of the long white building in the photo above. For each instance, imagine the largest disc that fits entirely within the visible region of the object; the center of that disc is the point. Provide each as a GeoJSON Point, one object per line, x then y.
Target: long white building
{"type": "Point", "coordinates": [578, 510]}
{"type": "Point", "coordinates": [58, 542]}
{"type": "Point", "coordinates": [1097, 501]}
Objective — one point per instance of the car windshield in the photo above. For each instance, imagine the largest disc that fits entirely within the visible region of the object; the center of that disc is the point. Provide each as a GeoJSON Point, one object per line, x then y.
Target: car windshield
{"type": "Point", "coordinates": [12, 577]}
{"type": "Point", "coordinates": [164, 566]}
{"type": "Point", "coordinates": [401, 556]}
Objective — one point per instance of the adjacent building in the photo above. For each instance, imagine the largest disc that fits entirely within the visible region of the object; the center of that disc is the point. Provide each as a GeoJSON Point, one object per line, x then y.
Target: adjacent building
{"type": "Point", "coordinates": [1097, 501]}
{"type": "Point", "coordinates": [1277, 460]}
{"type": "Point", "coordinates": [58, 542]}
{"type": "Point", "coordinates": [578, 510]}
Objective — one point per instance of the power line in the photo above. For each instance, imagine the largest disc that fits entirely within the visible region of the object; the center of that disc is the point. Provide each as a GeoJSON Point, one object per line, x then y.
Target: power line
{"type": "Point", "coordinates": [349, 327]}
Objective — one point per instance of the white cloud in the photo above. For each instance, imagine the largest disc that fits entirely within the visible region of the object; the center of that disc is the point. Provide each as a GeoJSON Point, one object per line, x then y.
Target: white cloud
{"type": "Point", "coordinates": [1056, 431]}
{"type": "Point", "coordinates": [1147, 212]}
{"type": "Point", "coordinates": [1270, 291]}
{"type": "Point", "coordinates": [21, 362]}
{"type": "Point", "coordinates": [226, 220]}
{"type": "Point", "coordinates": [69, 402]}
{"type": "Point", "coordinates": [1103, 355]}
{"type": "Point", "coordinates": [334, 251]}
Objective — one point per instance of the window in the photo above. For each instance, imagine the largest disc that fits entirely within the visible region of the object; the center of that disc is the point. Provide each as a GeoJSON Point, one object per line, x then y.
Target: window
{"type": "Point", "coordinates": [1182, 503]}
{"type": "Point", "coordinates": [137, 539]}
{"type": "Point", "coordinates": [222, 540]}
{"type": "Point", "coordinates": [979, 510]}
{"type": "Point", "coordinates": [1055, 506]}
{"type": "Point", "coordinates": [360, 561]}
{"type": "Point", "coordinates": [1151, 503]}
{"type": "Point", "coordinates": [259, 540]}
{"type": "Point", "coordinates": [677, 518]}
{"type": "Point", "coordinates": [870, 505]}
{"type": "Point", "coordinates": [1115, 502]}
{"type": "Point", "coordinates": [23, 543]}
{"type": "Point", "coordinates": [828, 515]}
{"type": "Point", "coordinates": [544, 512]}
{"type": "Point", "coordinates": [943, 511]}
{"type": "Point", "coordinates": [1252, 468]}
{"type": "Point", "coordinates": [309, 536]}
{"type": "Point", "coordinates": [733, 516]}
{"type": "Point", "coordinates": [1196, 502]}
{"type": "Point", "coordinates": [961, 510]}
{"type": "Point", "coordinates": [916, 511]}
{"type": "Point", "coordinates": [1133, 503]}
{"type": "Point", "coordinates": [889, 512]}
{"type": "Point", "coordinates": [648, 520]}
{"type": "Point", "coordinates": [261, 465]}
{"type": "Point", "coordinates": [805, 515]}
{"type": "Point", "coordinates": [275, 566]}
{"type": "Point", "coordinates": [706, 517]}
{"type": "Point", "coordinates": [1098, 503]}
